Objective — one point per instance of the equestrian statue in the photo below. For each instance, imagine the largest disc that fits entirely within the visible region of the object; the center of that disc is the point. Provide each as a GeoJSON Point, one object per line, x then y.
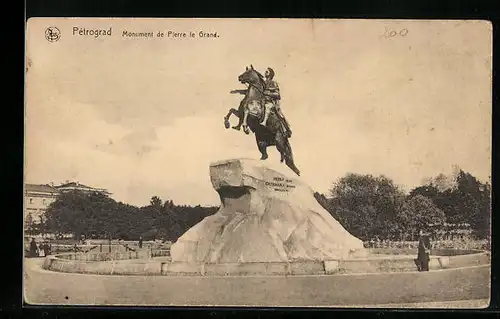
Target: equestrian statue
{"type": "Point", "coordinates": [260, 112]}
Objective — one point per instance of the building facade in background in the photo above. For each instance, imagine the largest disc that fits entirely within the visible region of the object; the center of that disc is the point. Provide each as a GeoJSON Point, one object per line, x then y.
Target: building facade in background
{"type": "Point", "coordinates": [76, 186]}
{"type": "Point", "coordinates": [38, 197]}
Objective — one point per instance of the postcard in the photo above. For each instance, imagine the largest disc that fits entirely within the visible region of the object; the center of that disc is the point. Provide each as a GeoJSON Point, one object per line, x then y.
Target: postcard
{"type": "Point", "coordinates": [258, 162]}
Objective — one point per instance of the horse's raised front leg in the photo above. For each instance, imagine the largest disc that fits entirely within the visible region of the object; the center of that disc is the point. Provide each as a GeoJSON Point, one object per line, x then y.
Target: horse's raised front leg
{"type": "Point", "coordinates": [228, 115]}
{"type": "Point", "coordinates": [240, 114]}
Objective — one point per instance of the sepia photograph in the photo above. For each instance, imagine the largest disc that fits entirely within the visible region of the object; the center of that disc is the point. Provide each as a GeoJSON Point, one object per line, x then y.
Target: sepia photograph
{"type": "Point", "coordinates": [326, 163]}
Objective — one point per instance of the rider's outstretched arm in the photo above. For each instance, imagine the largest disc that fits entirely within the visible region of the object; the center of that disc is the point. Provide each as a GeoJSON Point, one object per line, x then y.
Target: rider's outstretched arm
{"type": "Point", "coordinates": [238, 91]}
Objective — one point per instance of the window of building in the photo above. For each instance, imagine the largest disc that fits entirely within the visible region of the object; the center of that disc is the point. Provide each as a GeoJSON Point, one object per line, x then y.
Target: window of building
{"type": "Point", "coordinates": [31, 200]}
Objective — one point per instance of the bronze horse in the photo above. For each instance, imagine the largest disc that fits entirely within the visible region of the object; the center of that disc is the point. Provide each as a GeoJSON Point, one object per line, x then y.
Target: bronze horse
{"type": "Point", "coordinates": [251, 110]}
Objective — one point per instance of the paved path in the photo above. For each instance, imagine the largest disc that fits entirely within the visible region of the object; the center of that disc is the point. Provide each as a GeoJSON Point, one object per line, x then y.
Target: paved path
{"type": "Point", "coordinates": [46, 287]}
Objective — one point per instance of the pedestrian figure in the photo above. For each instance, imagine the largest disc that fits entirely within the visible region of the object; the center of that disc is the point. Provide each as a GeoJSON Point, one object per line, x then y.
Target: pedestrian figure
{"type": "Point", "coordinates": [46, 248]}
{"type": "Point", "coordinates": [33, 248]}
{"type": "Point", "coordinates": [41, 250]}
{"type": "Point", "coordinates": [424, 250]}
{"type": "Point", "coordinates": [140, 242]}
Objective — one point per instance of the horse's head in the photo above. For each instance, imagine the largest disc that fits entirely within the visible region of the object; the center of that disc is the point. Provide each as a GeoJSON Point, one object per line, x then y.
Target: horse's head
{"type": "Point", "coordinates": [251, 76]}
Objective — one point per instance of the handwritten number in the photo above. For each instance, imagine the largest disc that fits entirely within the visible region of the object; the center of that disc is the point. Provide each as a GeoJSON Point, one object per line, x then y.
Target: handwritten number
{"type": "Point", "coordinates": [391, 33]}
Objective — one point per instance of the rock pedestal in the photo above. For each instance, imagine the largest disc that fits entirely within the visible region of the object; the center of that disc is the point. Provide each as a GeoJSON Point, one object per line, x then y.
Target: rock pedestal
{"type": "Point", "coordinates": [265, 216]}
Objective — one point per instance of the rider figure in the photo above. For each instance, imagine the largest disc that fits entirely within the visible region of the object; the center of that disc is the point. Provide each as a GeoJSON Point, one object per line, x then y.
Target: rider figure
{"type": "Point", "coordinates": [272, 99]}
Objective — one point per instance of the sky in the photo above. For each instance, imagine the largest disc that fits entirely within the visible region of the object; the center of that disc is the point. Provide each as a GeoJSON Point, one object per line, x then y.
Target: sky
{"type": "Point", "coordinates": [144, 116]}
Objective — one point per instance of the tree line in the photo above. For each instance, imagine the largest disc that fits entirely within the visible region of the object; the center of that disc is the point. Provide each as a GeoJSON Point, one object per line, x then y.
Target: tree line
{"type": "Point", "coordinates": [373, 206]}
{"type": "Point", "coordinates": [98, 216]}
{"type": "Point", "coordinates": [367, 206]}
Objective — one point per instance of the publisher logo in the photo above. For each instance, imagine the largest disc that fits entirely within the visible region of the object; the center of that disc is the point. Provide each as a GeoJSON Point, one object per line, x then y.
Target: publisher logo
{"type": "Point", "coordinates": [52, 34]}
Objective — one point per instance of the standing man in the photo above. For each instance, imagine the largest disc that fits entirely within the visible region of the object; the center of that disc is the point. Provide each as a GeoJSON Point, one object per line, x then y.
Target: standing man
{"type": "Point", "coordinates": [140, 242]}
{"type": "Point", "coordinates": [424, 251]}
{"type": "Point", "coordinates": [272, 99]}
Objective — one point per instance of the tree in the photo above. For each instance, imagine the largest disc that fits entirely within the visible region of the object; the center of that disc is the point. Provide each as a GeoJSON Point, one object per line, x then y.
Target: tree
{"type": "Point", "coordinates": [462, 198]}
{"type": "Point", "coordinates": [29, 224]}
{"type": "Point", "coordinates": [473, 204]}
{"type": "Point", "coordinates": [482, 220]}
{"type": "Point", "coordinates": [156, 202]}
{"type": "Point", "coordinates": [366, 206]}
{"type": "Point", "coordinates": [81, 213]}
{"type": "Point", "coordinates": [169, 204]}
{"type": "Point", "coordinates": [322, 200]}
{"type": "Point", "coordinates": [84, 213]}
{"type": "Point", "coordinates": [444, 198]}
{"type": "Point", "coordinates": [418, 212]}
